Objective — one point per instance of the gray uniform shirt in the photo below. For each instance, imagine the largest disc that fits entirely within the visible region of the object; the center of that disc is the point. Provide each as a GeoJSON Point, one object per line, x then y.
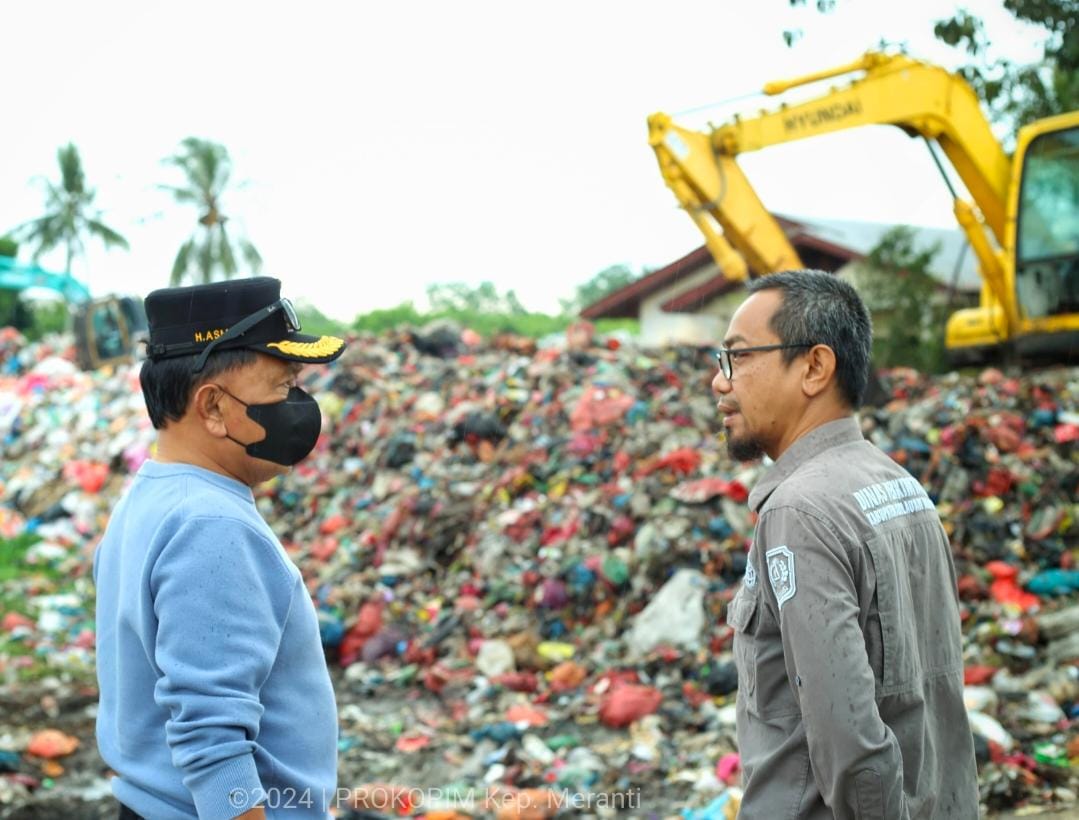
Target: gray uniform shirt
{"type": "Point", "coordinates": [847, 641]}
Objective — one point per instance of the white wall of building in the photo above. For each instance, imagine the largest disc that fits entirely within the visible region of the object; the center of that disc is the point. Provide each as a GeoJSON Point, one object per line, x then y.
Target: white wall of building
{"type": "Point", "coordinates": [659, 328]}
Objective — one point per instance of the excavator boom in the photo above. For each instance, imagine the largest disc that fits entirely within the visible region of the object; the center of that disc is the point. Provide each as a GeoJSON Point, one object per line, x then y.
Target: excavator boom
{"type": "Point", "coordinates": [895, 90]}
{"type": "Point", "coordinates": [924, 100]}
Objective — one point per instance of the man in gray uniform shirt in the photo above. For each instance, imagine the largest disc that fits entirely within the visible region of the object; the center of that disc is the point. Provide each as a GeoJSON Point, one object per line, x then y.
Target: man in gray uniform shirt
{"type": "Point", "coordinates": [847, 640]}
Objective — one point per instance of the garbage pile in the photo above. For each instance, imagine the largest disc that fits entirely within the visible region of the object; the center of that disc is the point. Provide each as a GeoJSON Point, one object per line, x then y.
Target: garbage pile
{"type": "Point", "coordinates": [521, 555]}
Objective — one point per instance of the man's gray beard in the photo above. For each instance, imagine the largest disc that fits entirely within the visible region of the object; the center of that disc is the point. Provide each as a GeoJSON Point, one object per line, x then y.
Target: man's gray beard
{"type": "Point", "coordinates": [748, 448]}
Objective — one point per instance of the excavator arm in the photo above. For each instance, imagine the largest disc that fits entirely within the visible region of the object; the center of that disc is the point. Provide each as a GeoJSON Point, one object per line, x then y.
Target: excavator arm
{"type": "Point", "coordinates": [921, 99]}
{"type": "Point", "coordinates": [14, 276]}
{"type": "Point", "coordinates": [716, 194]}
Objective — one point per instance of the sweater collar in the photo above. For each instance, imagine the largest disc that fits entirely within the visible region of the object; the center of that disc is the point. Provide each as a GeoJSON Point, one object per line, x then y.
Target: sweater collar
{"type": "Point", "coordinates": [161, 469]}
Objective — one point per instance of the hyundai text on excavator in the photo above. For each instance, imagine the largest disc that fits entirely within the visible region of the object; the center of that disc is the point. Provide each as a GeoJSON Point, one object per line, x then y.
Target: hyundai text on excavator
{"type": "Point", "coordinates": [1023, 224]}
{"type": "Point", "coordinates": [107, 330]}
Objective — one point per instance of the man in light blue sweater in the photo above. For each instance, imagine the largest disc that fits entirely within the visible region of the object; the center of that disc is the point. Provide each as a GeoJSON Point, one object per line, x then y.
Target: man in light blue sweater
{"type": "Point", "coordinates": [215, 697]}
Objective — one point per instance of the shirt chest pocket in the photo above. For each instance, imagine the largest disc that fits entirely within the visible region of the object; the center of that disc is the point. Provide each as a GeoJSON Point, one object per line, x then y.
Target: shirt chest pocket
{"type": "Point", "coordinates": [742, 618]}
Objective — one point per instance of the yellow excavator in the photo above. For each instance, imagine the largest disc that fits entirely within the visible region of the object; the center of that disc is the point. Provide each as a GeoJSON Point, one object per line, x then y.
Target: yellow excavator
{"type": "Point", "coordinates": [1023, 224]}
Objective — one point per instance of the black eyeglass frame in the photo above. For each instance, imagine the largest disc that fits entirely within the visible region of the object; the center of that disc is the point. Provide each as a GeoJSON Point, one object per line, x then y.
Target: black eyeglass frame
{"type": "Point", "coordinates": [292, 322]}
{"type": "Point", "coordinates": [726, 365]}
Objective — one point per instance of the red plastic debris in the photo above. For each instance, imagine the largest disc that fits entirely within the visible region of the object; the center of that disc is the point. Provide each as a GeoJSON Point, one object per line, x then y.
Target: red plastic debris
{"type": "Point", "coordinates": [412, 742]}
{"type": "Point", "coordinates": [621, 529]}
{"type": "Point", "coordinates": [978, 675]}
{"type": "Point", "coordinates": [13, 620]}
{"type": "Point", "coordinates": [436, 677]}
{"type": "Point", "coordinates": [524, 713]}
{"type": "Point", "coordinates": [1006, 590]}
{"type": "Point", "coordinates": [566, 676]}
{"type": "Point", "coordinates": [517, 681]}
{"type": "Point", "coordinates": [729, 768]}
{"type": "Point", "coordinates": [1066, 433]}
{"type": "Point", "coordinates": [599, 407]}
{"type": "Point", "coordinates": [998, 482]}
{"type": "Point", "coordinates": [332, 524]}
{"type": "Point", "coordinates": [705, 489]}
{"type": "Point", "coordinates": [367, 624]}
{"type": "Point", "coordinates": [694, 696]}
{"type": "Point", "coordinates": [324, 549]}
{"type": "Point", "coordinates": [625, 704]}
{"type": "Point", "coordinates": [682, 461]}
{"type": "Point", "coordinates": [89, 475]}
{"type": "Point", "coordinates": [52, 743]}
{"type": "Point", "coordinates": [971, 588]}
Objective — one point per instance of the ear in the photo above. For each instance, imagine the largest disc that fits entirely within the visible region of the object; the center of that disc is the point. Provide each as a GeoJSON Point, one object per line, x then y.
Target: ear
{"type": "Point", "coordinates": [819, 370]}
{"type": "Point", "coordinates": [206, 406]}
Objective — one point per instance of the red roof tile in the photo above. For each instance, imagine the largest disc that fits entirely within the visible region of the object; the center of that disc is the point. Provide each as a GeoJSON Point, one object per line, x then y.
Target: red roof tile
{"type": "Point", "coordinates": [624, 303]}
{"type": "Point", "coordinates": [694, 299]}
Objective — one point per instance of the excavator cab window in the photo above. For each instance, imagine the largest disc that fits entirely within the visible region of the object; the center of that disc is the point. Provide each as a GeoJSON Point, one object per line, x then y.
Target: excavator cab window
{"type": "Point", "coordinates": [1047, 250]}
{"type": "Point", "coordinates": [109, 331]}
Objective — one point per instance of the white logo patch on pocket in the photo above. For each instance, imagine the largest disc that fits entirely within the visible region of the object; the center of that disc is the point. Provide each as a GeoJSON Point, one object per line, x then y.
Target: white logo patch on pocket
{"type": "Point", "coordinates": [781, 573]}
{"type": "Point", "coordinates": [751, 575]}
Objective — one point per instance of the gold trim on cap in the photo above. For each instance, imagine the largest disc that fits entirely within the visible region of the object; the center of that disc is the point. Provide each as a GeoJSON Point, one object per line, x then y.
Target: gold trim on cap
{"type": "Point", "coordinates": [326, 346]}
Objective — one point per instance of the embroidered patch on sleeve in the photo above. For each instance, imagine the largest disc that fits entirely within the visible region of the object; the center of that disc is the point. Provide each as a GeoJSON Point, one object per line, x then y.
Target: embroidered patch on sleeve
{"type": "Point", "coordinates": [751, 575]}
{"type": "Point", "coordinates": [781, 574]}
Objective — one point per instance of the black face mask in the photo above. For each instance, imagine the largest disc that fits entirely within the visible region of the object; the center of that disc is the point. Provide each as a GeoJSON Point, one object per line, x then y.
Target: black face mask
{"type": "Point", "coordinates": [292, 427]}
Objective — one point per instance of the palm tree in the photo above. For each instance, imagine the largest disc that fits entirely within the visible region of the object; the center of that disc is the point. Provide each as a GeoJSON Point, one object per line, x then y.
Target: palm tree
{"type": "Point", "coordinates": [69, 214]}
{"type": "Point", "coordinates": [207, 167]}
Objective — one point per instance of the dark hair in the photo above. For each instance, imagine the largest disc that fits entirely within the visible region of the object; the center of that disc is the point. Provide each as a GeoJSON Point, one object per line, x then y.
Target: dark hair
{"type": "Point", "coordinates": [168, 384]}
{"type": "Point", "coordinates": [817, 307]}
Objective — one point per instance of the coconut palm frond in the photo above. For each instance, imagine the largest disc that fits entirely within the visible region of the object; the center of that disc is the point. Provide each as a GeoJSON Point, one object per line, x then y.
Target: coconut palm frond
{"type": "Point", "coordinates": [106, 234]}
{"type": "Point", "coordinates": [207, 169]}
{"type": "Point", "coordinates": [179, 266]}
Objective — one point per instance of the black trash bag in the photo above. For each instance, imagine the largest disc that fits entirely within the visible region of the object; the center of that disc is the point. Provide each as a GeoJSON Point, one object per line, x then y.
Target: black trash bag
{"type": "Point", "coordinates": [722, 679]}
{"type": "Point", "coordinates": [400, 450]}
{"type": "Point", "coordinates": [443, 342]}
{"type": "Point", "coordinates": [479, 425]}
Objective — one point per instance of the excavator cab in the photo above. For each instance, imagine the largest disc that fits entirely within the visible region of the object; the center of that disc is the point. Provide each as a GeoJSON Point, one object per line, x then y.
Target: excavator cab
{"type": "Point", "coordinates": [1047, 225]}
{"type": "Point", "coordinates": [1039, 257]}
{"type": "Point", "coordinates": [108, 331]}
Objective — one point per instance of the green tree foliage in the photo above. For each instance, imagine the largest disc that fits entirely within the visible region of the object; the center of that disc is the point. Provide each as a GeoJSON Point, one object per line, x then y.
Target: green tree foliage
{"type": "Point", "coordinates": [486, 323]}
{"type": "Point", "coordinates": [69, 214]}
{"type": "Point", "coordinates": [607, 281]}
{"type": "Point", "coordinates": [384, 319]}
{"type": "Point", "coordinates": [483, 309]}
{"type": "Point", "coordinates": [908, 306]}
{"type": "Point", "coordinates": [459, 297]}
{"type": "Point", "coordinates": [1017, 93]}
{"type": "Point", "coordinates": [206, 167]}
{"type": "Point", "coordinates": [793, 35]}
{"type": "Point", "coordinates": [315, 323]}
{"type": "Point", "coordinates": [14, 311]}
{"type": "Point", "coordinates": [49, 316]}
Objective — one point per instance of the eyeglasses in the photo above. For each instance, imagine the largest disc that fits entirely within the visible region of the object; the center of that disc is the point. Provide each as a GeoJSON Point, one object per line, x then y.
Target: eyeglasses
{"type": "Point", "coordinates": [292, 321]}
{"type": "Point", "coordinates": [726, 356]}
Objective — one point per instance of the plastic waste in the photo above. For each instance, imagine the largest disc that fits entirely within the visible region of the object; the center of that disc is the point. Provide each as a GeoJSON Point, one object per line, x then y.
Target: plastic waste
{"type": "Point", "coordinates": [674, 616]}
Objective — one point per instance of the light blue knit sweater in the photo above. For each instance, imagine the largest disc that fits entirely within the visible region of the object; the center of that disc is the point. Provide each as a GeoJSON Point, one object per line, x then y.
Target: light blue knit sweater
{"type": "Point", "coordinates": [214, 690]}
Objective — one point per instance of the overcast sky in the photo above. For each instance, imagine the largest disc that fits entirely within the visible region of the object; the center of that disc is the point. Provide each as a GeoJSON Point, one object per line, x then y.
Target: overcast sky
{"type": "Point", "coordinates": [386, 146]}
